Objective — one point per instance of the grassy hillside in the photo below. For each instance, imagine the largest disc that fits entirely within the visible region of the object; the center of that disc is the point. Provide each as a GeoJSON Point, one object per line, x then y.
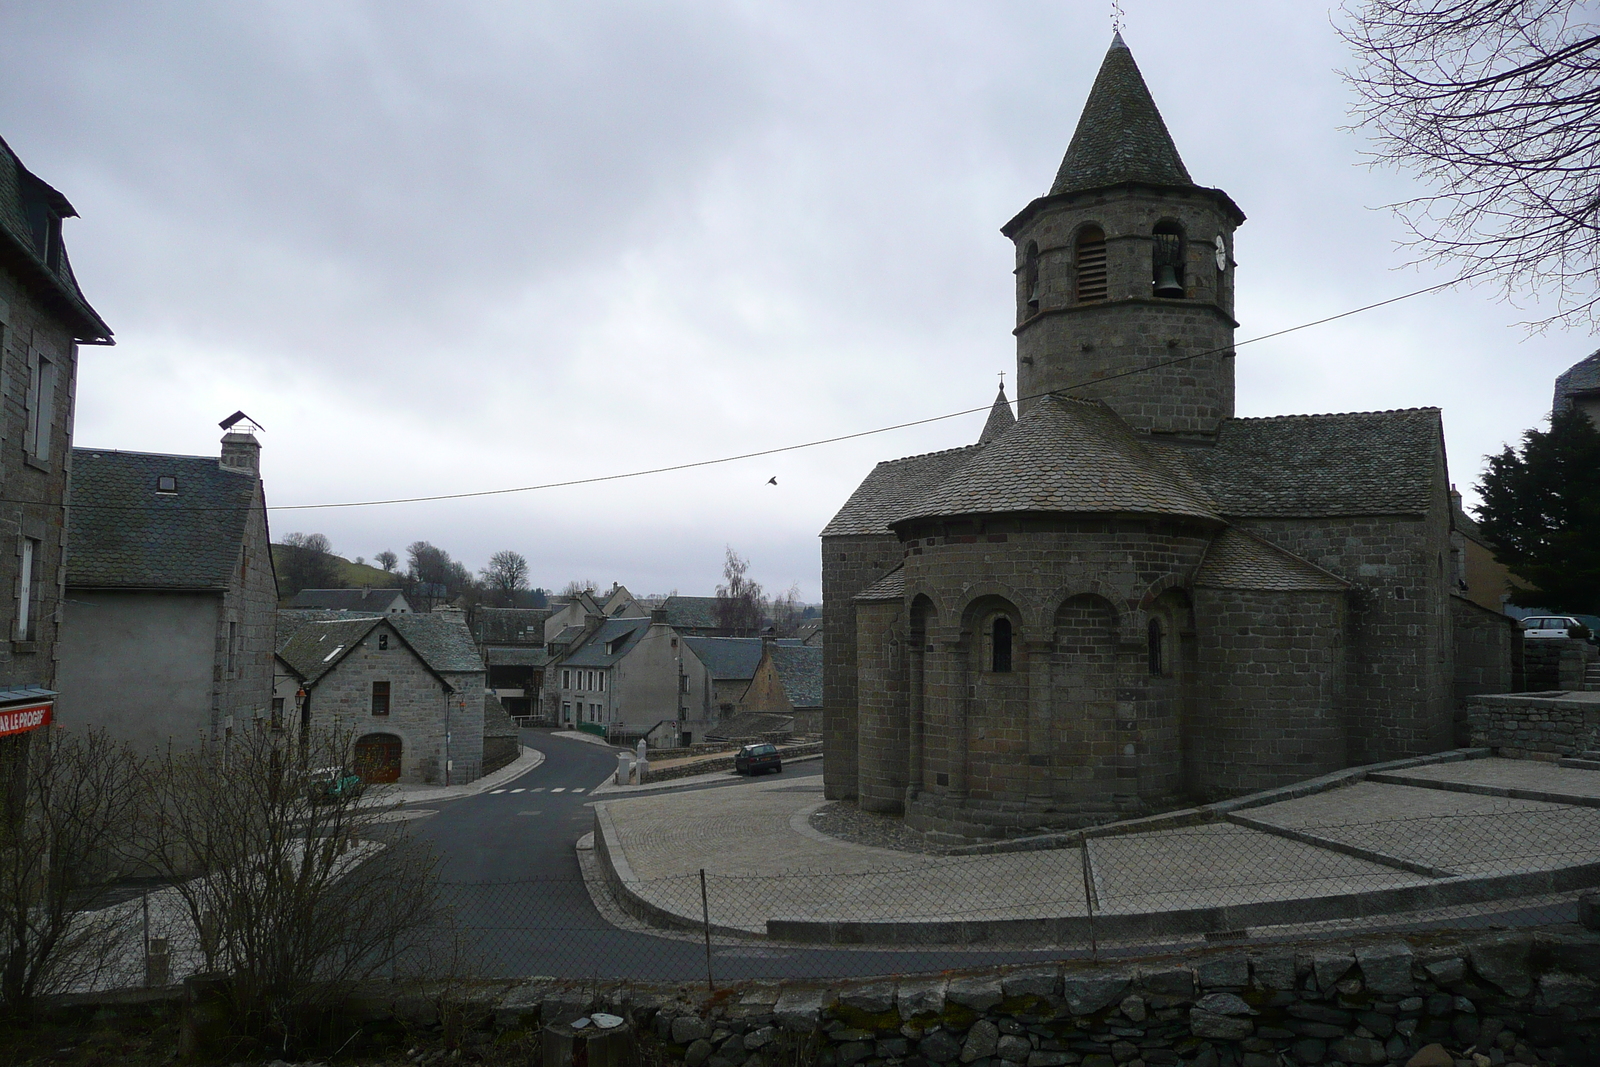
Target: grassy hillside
{"type": "Point", "coordinates": [355, 575]}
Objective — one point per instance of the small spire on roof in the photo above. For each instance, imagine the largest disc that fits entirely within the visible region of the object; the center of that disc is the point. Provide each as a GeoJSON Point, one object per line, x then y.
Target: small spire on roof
{"type": "Point", "coordinates": [1000, 417]}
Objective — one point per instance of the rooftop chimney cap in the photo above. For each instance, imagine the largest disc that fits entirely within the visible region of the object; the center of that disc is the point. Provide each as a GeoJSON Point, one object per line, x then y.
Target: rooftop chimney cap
{"type": "Point", "coordinates": [251, 425]}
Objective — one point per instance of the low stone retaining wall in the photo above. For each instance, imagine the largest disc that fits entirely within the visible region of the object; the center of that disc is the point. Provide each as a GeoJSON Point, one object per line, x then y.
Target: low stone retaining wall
{"type": "Point", "coordinates": [1545, 726]}
{"type": "Point", "coordinates": [1526, 997]}
{"type": "Point", "coordinates": [722, 763]}
{"type": "Point", "coordinates": [1555, 662]}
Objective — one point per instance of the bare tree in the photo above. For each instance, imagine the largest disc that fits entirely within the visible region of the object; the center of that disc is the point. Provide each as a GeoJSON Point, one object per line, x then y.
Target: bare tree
{"type": "Point", "coordinates": [294, 884]}
{"type": "Point", "coordinates": [740, 605]}
{"type": "Point", "coordinates": [387, 560]}
{"type": "Point", "coordinates": [579, 586]}
{"type": "Point", "coordinates": [72, 807]}
{"type": "Point", "coordinates": [307, 562]}
{"type": "Point", "coordinates": [1496, 105]}
{"type": "Point", "coordinates": [786, 612]}
{"type": "Point", "coordinates": [505, 576]}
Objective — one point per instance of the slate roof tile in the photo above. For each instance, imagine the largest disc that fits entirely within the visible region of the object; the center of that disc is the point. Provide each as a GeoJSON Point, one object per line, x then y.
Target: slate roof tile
{"type": "Point", "coordinates": [727, 658]}
{"type": "Point", "coordinates": [800, 669]}
{"type": "Point", "coordinates": [1237, 559]}
{"type": "Point", "coordinates": [19, 187]}
{"type": "Point", "coordinates": [289, 620]}
{"type": "Point", "coordinates": [345, 599]}
{"type": "Point", "coordinates": [609, 643]}
{"type": "Point", "coordinates": [893, 486]}
{"type": "Point", "coordinates": [1000, 419]}
{"type": "Point", "coordinates": [440, 641]}
{"type": "Point", "coordinates": [1120, 136]}
{"type": "Point", "coordinates": [1353, 463]}
{"type": "Point", "coordinates": [511, 626]}
{"type": "Point", "coordinates": [1582, 377]}
{"type": "Point", "coordinates": [1065, 455]}
{"type": "Point", "coordinates": [891, 586]}
{"type": "Point", "coordinates": [124, 534]}
{"type": "Point", "coordinates": [691, 612]}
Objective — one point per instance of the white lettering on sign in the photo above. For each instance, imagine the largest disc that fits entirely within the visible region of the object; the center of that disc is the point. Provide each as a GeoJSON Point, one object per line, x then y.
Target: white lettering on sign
{"type": "Point", "coordinates": [21, 720]}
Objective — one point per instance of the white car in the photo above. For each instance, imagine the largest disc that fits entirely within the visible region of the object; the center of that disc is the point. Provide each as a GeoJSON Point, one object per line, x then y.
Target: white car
{"type": "Point", "coordinates": [1550, 626]}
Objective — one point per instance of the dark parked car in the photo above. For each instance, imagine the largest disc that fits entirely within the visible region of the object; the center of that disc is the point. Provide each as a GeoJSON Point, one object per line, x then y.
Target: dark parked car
{"type": "Point", "coordinates": [752, 759]}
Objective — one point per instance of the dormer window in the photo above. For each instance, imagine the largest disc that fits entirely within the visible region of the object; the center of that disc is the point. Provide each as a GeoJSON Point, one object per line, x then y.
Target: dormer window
{"type": "Point", "coordinates": [166, 483]}
{"type": "Point", "coordinates": [1089, 263]}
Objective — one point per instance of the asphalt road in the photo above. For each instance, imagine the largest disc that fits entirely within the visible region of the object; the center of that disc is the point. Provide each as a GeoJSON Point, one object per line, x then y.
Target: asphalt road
{"type": "Point", "coordinates": [510, 869]}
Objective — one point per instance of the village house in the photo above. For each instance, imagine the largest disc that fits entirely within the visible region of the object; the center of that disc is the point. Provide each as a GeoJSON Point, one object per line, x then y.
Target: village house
{"type": "Point", "coordinates": [409, 688]}
{"type": "Point", "coordinates": [43, 319]}
{"type": "Point", "coordinates": [1124, 597]}
{"type": "Point", "coordinates": [512, 643]}
{"type": "Point", "coordinates": [379, 601]}
{"type": "Point", "coordinates": [167, 633]}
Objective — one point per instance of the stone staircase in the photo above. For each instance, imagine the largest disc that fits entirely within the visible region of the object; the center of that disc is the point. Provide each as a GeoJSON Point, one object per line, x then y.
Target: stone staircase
{"type": "Point", "coordinates": [1591, 676]}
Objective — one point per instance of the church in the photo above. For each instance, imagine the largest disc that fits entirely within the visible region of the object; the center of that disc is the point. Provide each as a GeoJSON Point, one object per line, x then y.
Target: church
{"type": "Point", "coordinates": [1125, 597]}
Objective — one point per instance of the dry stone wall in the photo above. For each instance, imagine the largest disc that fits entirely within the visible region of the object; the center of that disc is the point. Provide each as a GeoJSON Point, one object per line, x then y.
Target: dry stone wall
{"type": "Point", "coordinates": [1522, 726]}
{"type": "Point", "coordinates": [1518, 998]}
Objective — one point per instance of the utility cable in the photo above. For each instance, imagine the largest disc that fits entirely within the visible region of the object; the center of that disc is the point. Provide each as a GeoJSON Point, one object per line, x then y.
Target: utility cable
{"type": "Point", "coordinates": [472, 494]}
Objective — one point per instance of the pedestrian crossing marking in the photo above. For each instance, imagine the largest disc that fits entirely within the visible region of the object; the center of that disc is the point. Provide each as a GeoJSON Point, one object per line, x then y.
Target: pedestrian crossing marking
{"type": "Point", "coordinates": [577, 790]}
{"type": "Point", "coordinates": [559, 789]}
{"type": "Point", "coordinates": [519, 790]}
{"type": "Point", "coordinates": [537, 789]}
{"type": "Point", "coordinates": [494, 792]}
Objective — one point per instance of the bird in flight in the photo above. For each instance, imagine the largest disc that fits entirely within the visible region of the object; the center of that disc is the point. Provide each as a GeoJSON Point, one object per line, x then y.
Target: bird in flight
{"type": "Point", "coordinates": [772, 481]}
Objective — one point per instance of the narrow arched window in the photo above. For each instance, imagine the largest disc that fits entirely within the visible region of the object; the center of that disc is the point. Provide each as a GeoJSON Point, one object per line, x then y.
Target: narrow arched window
{"type": "Point", "coordinates": [1166, 260]}
{"type": "Point", "coordinates": [1089, 262]}
{"type": "Point", "coordinates": [1156, 640]}
{"type": "Point", "coordinates": [1030, 277]}
{"type": "Point", "coordinates": [1001, 645]}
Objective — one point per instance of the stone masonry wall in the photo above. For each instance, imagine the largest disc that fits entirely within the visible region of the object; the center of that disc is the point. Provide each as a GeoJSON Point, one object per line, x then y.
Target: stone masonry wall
{"type": "Point", "coordinates": [243, 675]}
{"type": "Point", "coordinates": [1067, 346]}
{"type": "Point", "coordinates": [884, 730]}
{"type": "Point", "coordinates": [1269, 705]}
{"type": "Point", "coordinates": [849, 565]}
{"type": "Point", "coordinates": [1518, 998]}
{"type": "Point", "coordinates": [1533, 727]}
{"type": "Point", "coordinates": [1399, 677]}
{"type": "Point", "coordinates": [1554, 663]}
{"type": "Point", "coordinates": [1488, 646]}
{"type": "Point", "coordinates": [34, 489]}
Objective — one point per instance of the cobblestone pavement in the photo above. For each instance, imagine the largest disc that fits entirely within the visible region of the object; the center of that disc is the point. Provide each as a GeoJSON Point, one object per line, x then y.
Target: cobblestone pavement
{"type": "Point", "coordinates": [776, 851]}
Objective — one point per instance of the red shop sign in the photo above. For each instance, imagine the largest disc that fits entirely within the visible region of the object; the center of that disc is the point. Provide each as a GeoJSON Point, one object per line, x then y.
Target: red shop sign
{"type": "Point", "coordinates": [21, 720]}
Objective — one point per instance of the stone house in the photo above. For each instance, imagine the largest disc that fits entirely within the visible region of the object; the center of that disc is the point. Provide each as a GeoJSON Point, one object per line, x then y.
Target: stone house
{"type": "Point", "coordinates": [512, 643]}
{"type": "Point", "coordinates": [634, 676]}
{"type": "Point", "coordinates": [787, 681]}
{"type": "Point", "coordinates": [378, 601]}
{"type": "Point", "coordinates": [43, 319]}
{"type": "Point", "coordinates": [167, 633]}
{"type": "Point", "coordinates": [410, 687]}
{"type": "Point", "coordinates": [1125, 596]}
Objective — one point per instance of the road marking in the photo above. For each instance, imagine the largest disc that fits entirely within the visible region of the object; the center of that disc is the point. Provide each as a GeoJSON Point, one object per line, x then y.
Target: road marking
{"type": "Point", "coordinates": [518, 790]}
{"type": "Point", "coordinates": [537, 789]}
{"type": "Point", "coordinates": [496, 792]}
{"type": "Point", "coordinates": [559, 789]}
{"type": "Point", "coordinates": [577, 790]}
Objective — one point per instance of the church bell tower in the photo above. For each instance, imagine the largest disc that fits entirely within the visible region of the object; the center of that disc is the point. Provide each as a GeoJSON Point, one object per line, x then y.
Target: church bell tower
{"type": "Point", "coordinates": [1125, 270]}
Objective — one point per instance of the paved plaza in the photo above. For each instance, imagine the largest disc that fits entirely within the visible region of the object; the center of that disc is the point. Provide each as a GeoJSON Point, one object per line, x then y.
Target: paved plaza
{"type": "Point", "coordinates": [1393, 839]}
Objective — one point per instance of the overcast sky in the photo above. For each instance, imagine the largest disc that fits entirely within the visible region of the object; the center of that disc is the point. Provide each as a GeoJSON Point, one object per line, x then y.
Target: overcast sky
{"type": "Point", "coordinates": [436, 247]}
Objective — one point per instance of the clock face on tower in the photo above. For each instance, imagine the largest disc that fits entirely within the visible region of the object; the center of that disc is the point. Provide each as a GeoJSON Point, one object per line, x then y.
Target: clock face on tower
{"type": "Point", "coordinates": [1222, 253]}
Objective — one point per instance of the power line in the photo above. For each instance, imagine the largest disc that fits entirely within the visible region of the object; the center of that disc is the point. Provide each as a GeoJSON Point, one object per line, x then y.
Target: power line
{"type": "Point", "coordinates": [471, 494]}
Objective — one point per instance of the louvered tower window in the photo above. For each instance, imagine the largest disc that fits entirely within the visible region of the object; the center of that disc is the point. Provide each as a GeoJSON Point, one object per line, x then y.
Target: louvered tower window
{"type": "Point", "coordinates": [1030, 277]}
{"type": "Point", "coordinates": [1090, 260]}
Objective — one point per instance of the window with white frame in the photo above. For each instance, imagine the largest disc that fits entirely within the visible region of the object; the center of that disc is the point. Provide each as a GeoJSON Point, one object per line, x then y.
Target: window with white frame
{"type": "Point", "coordinates": [40, 408]}
{"type": "Point", "coordinates": [566, 679]}
{"type": "Point", "coordinates": [602, 680]}
{"type": "Point", "coordinates": [30, 551]}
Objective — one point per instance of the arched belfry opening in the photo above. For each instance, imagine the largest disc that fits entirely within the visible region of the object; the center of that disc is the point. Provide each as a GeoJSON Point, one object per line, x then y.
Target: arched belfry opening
{"type": "Point", "coordinates": [1030, 278]}
{"type": "Point", "coordinates": [1166, 260]}
{"type": "Point", "coordinates": [1089, 264]}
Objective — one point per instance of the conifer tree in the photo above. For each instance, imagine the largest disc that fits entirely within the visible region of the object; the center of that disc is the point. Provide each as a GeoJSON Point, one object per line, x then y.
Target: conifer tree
{"type": "Point", "coordinates": [1541, 510]}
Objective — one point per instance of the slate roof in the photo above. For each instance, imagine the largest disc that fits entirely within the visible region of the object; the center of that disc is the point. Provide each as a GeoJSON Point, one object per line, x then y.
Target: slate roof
{"type": "Point", "coordinates": [345, 599]}
{"type": "Point", "coordinates": [511, 626]}
{"type": "Point", "coordinates": [594, 652]}
{"type": "Point", "coordinates": [1000, 419]}
{"type": "Point", "coordinates": [727, 658]}
{"type": "Point", "coordinates": [1065, 455]}
{"type": "Point", "coordinates": [22, 194]}
{"type": "Point", "coordinates": [440, 641]}
{"type": "Point", "coordinates": [891, 586]}
{"type": "Point", "coordinates": [800, 669]}
{"type": "Point", "coordinates": [126, 535]}
{"type": "Point", "coordinates": [893, 486]}
{"type": "Point", "coordinates": [1355, 463]}
{"type": "Point", "coordinates": [692, 612]}
{"type": "Point", "coordinates": [497, 722]}
{"type": "Point", "coordinates": [289, 620]}
{"type": "Point", "coordinates": [1237, 559]}
{"type": "Point", "coordinates": [1120, 135]}
{"type": "Point", "coordinates": [1581, 377]}
{"type": "Point", "coordinates": [516, 657]}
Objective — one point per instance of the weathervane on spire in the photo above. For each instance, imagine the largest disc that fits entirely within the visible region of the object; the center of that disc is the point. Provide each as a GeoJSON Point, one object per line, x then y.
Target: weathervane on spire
{"type": "Point", "coordinates": [1116, 16]}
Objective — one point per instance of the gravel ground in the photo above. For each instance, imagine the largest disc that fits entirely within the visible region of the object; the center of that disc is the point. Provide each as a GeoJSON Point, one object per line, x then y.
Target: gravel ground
{"type": "Point", "coordinates": [842, 819]}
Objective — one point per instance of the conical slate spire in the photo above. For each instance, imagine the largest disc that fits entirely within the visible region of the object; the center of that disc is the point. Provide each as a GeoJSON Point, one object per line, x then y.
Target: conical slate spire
{"type": "Point", "coordinates": [1120, 136]}
{"type": "Point", "coordinates": [1000, 418]}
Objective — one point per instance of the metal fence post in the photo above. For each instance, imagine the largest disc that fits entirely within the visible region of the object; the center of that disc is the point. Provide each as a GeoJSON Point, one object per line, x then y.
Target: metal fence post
{"type": "Point", "coordinates": [705, 919]}
{"type": "Point", "coordinates": [1088, 898]}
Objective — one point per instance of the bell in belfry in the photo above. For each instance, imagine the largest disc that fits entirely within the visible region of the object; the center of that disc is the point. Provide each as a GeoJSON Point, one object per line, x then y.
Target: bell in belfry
{"type": "Point", "coordinates": [1167, 281]}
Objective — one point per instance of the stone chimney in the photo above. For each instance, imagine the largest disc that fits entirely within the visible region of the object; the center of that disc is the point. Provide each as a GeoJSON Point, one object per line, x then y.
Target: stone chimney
{"type": "Point", "coordinates": [658, 616]}
{"type": "Point", "coordinates": [241, 452]}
